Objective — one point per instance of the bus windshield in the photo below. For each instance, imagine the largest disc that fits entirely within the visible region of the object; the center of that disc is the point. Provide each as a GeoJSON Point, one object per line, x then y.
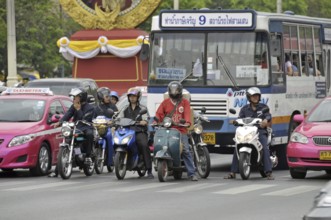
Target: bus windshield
{"type": "Point", "coordinates": [214, 59]}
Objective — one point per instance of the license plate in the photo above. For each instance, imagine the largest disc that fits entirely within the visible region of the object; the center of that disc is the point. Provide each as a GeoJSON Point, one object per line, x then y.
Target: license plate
{"type": "Point", "coordinates": [325, 155]}
{"type": "Point", "coordinates": [209, 138]}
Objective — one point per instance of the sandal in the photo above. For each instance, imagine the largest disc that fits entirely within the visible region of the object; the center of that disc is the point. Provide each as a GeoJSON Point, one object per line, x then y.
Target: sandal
{"type": "Point", "coordinates": [230, 176]}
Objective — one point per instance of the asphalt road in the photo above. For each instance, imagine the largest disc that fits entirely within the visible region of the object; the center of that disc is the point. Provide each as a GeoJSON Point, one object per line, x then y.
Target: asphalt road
{"type": "Point", "coordinates": [104, 197]}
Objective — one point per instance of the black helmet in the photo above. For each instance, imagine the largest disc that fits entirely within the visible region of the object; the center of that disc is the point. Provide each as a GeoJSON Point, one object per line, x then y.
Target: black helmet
{"type": "Point", "coordinates": [81, 92]}
{"type": "Point", "coordinates": [102, 92]}
{"type": "Point", "coordinates": [253, 91]}
{"type": "Point", "coordinates": [134, 91]}
{"type": "Point", "coordinates": [175, 90]}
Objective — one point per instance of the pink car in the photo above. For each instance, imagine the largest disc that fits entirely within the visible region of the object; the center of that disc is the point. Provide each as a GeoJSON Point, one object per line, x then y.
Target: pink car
{"type": "Point", "coordinates": [309, 147]}
{"type": "Point", "coordinates": [27, 139]}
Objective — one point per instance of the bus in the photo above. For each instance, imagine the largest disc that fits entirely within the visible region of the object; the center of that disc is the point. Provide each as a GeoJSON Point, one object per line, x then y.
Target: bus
{"type": "Point", "coordinates": [218, 54]}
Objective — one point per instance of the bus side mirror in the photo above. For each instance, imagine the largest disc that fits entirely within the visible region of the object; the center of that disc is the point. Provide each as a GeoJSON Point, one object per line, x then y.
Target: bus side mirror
{"type": "Point", "coordinates": [144, 52]}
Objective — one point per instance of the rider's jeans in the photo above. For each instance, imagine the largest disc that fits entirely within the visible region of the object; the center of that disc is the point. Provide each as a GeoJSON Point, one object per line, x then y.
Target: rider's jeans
{"type": "Point", "coordinates": [263, 138]}
{"type": "Point", "coordinates": [187, 156]}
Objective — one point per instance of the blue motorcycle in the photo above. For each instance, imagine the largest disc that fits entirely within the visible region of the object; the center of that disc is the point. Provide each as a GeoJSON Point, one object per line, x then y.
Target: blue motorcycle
{"type": "Point", "coordinates": [104, 147]}
{"type": "Point", "coordinates": [127, 156]}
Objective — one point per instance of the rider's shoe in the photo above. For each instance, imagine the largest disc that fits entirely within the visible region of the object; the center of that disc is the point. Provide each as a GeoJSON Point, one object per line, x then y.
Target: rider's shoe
{"type": "Point", "coordinates": [270, 176]}
{"type": "Point", "coordinates": [150, 176]}
{"type": "Point", "coordinates": [52, 175]}
{"type": "Point", "coordinates": [88, 161]}
{"type": "Point", "coordinates": [194, 178]}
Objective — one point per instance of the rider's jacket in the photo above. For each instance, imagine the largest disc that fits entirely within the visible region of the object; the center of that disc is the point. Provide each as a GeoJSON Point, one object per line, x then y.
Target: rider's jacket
{"type": "Point", "coordinates": [101, 109]}
{"type": "Point", "coordinates": [133, 113]}
{"type": "Point", "coordinates": [247, 111]}
{"type": "Point", "coordinates": [86, 113]}
{"type": "Point", "coordinates": [182, 111]}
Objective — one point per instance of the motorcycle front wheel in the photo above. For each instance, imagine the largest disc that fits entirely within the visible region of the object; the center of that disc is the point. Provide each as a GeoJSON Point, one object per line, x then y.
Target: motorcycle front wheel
{"type": "Point", "coordinates": [63, 164]}
{"type": "Point", "coordinates": [203, 167]}
{"type": "Point", "coordinates": [89, 169]}
{"type": "Point", "coordinates": [99, 162]}
{"type": "Point", "coordinates": [162, 170]}
{"type": "Point", "coordinates": [244, 165]}
{"type": "Point", "coordinates": [120, 167]}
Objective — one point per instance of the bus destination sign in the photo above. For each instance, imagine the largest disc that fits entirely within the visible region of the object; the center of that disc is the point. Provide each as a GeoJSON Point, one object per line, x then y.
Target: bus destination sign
{"type": "Point", "coordinates": [207, 19]}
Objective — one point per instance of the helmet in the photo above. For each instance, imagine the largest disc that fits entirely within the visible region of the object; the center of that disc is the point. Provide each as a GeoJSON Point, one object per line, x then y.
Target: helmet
{"type": "Point", "coordinates": [134, 91]}
{"type": "Point", "coordinates": [102, 92]}
{"type": "Point", "coordinates": [253, 91]}
{"type": "Point", "coordinates": [175, 90]}
{"type": "Point", "coordinates": [81, 92]}
{"type": "Point", "coordinates": [115, 94]}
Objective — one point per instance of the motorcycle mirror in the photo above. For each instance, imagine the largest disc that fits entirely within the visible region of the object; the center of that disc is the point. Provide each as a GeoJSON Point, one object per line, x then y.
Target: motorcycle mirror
{"type": "Point", "coordinates": [265, 110]}
{"type": "Point", "coordinates": [203, 110]}
{"type": "Point", "coordinates": [232, 111]}
{"type": "Point", "coordinates": [143, 111]}
{"type": "Point", "coordinates": [110, 111]}
{"type": "Point", "coordinates": [156, 119]}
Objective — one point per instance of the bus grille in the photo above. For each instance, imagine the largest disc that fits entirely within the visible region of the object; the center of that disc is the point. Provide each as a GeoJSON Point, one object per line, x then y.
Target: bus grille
{"type": "Point", "coordinates": [325, 141]}
{"type": "Point", "coordinates": [214, 107]}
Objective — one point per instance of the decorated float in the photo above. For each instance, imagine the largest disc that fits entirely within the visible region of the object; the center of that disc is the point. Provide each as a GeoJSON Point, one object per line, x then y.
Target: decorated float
{"type": "Point", "coordinates": [110, 49]}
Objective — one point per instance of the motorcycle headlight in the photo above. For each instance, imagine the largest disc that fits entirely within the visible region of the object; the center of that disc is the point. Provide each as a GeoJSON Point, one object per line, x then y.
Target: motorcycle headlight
{"type": "Point", "coordinates": [66, 131]}
{"type": "Point", "coordinates": [198, 129]}
{"type": "Point", "coordinates": [19, 140]}
{"type": "Point", "coordinates": [167, 122]}
{"type": "Point", "coordinates": [299, 138]}
{"type": "Point", "coordinates": [116, 140]}
{"type": "Point", "coordinates": [245, 138]}
{"type": "Point", "coordinates": [126, 139]}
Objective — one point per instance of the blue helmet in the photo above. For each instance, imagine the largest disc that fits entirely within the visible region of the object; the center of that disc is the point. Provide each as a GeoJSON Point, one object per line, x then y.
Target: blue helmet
{"type": "Point", "coordinates": [114, 94]}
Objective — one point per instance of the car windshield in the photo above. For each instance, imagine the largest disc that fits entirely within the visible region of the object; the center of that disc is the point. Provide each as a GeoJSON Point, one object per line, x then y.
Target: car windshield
{"type": "Point", "coordinates": [58, 88]}
{"type": "Point", "coordinates": [322, 112]}
{"type": "Point", "coordinates": [21, 110]}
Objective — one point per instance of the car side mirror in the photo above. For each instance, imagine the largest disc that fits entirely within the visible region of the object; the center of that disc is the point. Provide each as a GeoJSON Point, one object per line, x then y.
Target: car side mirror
{"type": "Point", "coordinates": [55, 118]}
{"type": "Point", "coordinates": [298, 118]}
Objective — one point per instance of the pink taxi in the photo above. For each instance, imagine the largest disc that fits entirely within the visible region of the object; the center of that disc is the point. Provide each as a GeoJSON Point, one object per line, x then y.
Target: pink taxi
{"type": "Point", "coordinates": [27, 139]}
{"type": "Point", "coordinates": [309, 147]}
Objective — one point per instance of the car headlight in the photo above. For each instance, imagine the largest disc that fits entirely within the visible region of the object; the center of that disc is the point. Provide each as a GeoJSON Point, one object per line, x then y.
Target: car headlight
{"type": "Point", "coordinates": [66, 131]}
{"type": "Point", "coordinates": [299, 138]}
{"type": "Point", "coordinates": [198, 129]}
{"type": "Point", "coordinates": [19, 140]}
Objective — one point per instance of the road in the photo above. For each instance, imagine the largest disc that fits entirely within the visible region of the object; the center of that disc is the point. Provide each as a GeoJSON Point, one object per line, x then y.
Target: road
{"type": "Point", "coordinates": [104, 197]}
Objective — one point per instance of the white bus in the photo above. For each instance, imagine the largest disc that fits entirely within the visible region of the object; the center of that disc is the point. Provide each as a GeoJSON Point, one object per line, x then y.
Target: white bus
{"type": "Point", "coordinates": [218, 54]}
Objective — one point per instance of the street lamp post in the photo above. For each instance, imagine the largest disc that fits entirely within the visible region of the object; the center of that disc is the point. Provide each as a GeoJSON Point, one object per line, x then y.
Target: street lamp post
{"type": "Point", "coordinates": [11, 44]}
{"type": "Point", "coordinates": [279, 6]}
{"type": "Point", "coordinates": [176, 4]}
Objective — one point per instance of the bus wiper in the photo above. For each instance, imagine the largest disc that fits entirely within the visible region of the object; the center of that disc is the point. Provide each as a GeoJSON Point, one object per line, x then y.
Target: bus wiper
{"type": "Point", "coordinates": [219, 58]}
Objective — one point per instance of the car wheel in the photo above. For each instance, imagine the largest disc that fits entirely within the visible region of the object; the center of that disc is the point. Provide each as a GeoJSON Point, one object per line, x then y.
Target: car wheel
{"type": "Point", "coordinates": [295, 174]}
{"type": "Point", "coordinates": [328, 171]}
{"type": "Point", "coordinates": [43, 165]}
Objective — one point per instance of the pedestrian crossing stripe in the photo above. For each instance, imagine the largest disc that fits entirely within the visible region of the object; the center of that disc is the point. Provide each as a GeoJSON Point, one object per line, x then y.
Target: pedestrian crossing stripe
{"type": "Point", "coordinates": [244, 189]}
{"type": "Point", "coordinates": [291, 191]}
{"type": "Point", "coordinates": [192, 187]}
{"type": "Point", "coordinates": [40, 186]}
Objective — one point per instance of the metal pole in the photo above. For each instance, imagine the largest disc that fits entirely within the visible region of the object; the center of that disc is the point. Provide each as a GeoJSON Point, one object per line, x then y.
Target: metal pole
{"type": "Point", "coordinates": [11, 38]}
{"type": "Point", "coordinates": [176, 4]}
{"type": "Point", "coordinates": [279, 6]}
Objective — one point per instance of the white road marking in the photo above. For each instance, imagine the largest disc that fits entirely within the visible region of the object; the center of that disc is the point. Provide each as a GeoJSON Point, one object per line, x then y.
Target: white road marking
{"type": "Point", "coordinates": [41, 186]}
{"type": "Point", "coordinates": [244, 189]}
{"type": "Point", "coordinates": [90, 186]}
{"type": "Point", "coordinates": [192, 187]}
{"type": "Point", "coordinates": [292, 191]}
{"type": "Point", "coordinates": [147, 186]}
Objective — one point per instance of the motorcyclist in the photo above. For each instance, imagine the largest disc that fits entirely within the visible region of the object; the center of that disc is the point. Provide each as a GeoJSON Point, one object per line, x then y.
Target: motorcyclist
{"type": "Point", "coordinates": [103, 108]}
{"type": "Point", "coordinates": [131, 111]}
{"type": "Point", "coordinates": [253, 110]}
{"type": "Point", "coordinates": [114, 97]}
{"type": "Point", "coordinates": [80, 110]}
{"type": "Point", "coordinates": [182, 111]}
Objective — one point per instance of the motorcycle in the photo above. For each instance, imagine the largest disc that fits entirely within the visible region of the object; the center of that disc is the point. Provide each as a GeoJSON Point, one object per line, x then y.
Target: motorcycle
{"type": "Point", "coordinates": [200, 151]}
{"type": "Point", "coordinates": [127, 156]}
{"type": "Point", "coordinates": [168, 150]}
{"type": "Point", "coordinates": [248, 148]}
{"type": "Point", "coordinates": [104, 146]}
{"type": "Point", "coordinates": [71, 153]}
